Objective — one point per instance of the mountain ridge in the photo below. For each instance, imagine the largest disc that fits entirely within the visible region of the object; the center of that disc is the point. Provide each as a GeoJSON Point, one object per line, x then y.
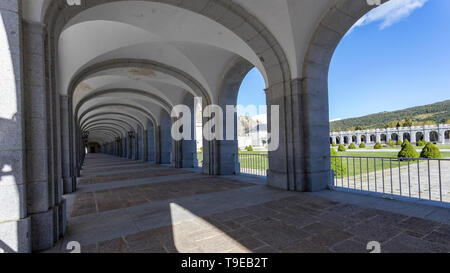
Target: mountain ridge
{"type": "Point", "coordinates": [429, 114]}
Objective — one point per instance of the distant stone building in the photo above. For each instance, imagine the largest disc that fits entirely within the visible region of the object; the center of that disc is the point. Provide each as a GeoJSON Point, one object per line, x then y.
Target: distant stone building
{"type": "Point", "coordinates": [439, 134]}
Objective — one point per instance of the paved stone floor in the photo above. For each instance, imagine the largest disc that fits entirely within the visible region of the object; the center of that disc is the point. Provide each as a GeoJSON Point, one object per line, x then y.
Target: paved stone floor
{"type": "Point", "coordinates": [127, 206]}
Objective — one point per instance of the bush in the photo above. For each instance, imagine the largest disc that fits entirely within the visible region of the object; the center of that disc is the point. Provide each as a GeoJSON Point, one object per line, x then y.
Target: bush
{"type": "Point", "coordinates": [390, 143]}
{"type": "Point", "coordinates": [352, 146]}
{"type": "Point", "coordinates": [362, 145]}
{"type": "Point", "coordinates": [201, 149]}
{"type": "Point", "coordinates": [337, 165]}
{"type": "Point", "coordinates": [430, 151]}
{"type": "Point", "coordinates": [378, 146]}
{"type": "Point", "coordinates": [406, 142]}
{"type": "Point", "coordinates": [421, 142]}
{"type": "Point", "coordinates": [341, 148]}
{"type": "Point", "coordinates": [333, 144]}
{"type": "Point", "coordinates": [249, 148]}
{"type": "Point", "coordinates": [408, 151]}
{"type": "Point", "coordinates": [399, 142]}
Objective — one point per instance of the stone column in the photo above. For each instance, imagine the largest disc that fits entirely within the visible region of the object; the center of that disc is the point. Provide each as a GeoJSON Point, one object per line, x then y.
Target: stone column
{"type": "Point", "coordinates": [302, 160]}
{"type": "Point", "coordinates": [145, 146]}
{"type": "Point", "coordinates": [66, 155]}
{"type": "Point", "coordinates": [426, 135]}
{"type": "Point", "coordinates": [157, 144]}
{"type": "Point", "coordinates": [166, 142]}
{"type": "Point", "coordinates": [15, 225]}
{"type": "Point", "coordinates": [150, 142]}
{"type": "Point", "coordinates": [40, 189]}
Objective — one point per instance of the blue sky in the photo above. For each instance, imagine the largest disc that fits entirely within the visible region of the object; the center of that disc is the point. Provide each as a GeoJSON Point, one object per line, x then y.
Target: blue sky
{"type": "Point", "coordinates": [397, 57]}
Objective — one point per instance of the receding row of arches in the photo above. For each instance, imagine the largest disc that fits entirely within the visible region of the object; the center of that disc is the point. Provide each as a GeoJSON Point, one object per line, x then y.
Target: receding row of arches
{"type": "Point", "coordinates": [433, 136]}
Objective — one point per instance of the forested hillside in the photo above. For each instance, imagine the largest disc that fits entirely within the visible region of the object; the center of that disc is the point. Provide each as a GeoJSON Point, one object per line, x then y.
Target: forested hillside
{"type": "Point", "coordinates": [420, 115]}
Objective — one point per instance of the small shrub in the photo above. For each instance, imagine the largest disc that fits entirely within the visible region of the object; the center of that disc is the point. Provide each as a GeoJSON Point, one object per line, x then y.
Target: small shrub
{"type": "Point", "coordinates": [399, 142]}
{"type": "Point", "coordinates": [405, 143]}
{"type": "Point", "coordinates": [430, 151]}
{"type": "Point", "coordinates": [341, 148]}
{"type": "Point", "coordinates": [390, 143]}
{"type": "Point", "coordinates": [421, 142]}
{"type": "Point", "coordinates": [249, 148]}
{"type": "Point", "coordinates": [378, 146]}
{"type": "Point", "coordinates": [239, 149]}
{"type": "Point", "coordinates": [362, 145]}
{"type": "Point", "coordinates": [201, 149]}
{"type": "Point", "coordinates": [337, 165]}
{"type": "Point", "coordinates": [333, 144]}
{"type": "Point", "coordinates": [408, 151]}
{"type": "Point", "coordinates": [352, 146]}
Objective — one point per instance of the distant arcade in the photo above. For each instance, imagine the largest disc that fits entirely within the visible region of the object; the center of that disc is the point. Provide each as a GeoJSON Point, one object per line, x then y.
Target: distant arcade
{"type": "Point", "coordinates": [439, 134]}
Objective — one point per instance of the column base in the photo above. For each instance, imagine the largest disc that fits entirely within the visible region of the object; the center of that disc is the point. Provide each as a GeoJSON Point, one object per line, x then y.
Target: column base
{"type": "Point", "coordinates": [43, 230]}
{"type": "Point", "coordinates": [15, 236]}
{"type": "Point", "coordinates": [306, 182]}
{"type": "Point", "coordinates": [69, 184]}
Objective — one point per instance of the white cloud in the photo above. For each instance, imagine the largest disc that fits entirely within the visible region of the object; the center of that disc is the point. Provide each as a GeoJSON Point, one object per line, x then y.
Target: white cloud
{"type": "Point", "coordinates": [390, 13]}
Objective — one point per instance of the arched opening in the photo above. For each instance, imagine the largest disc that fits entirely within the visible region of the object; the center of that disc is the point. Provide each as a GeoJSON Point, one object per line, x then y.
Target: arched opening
{"type": "Point", "coordinates": [419, 136]}
{"type": "Point", "coordinates": [407, 136]}
{"type": "Point", "coordinates": [434, 136]}
{"type": "Point", "coordinates": [346, 140]}
{"type": "Point", "coordinates": [252, 124]}
{"type": "Point", "coordinates": [447, 136]}
{"type": "Point", "coordinates": [354, 139]}
{"type": "Point", "coordinates": [383, 138]}
{"type": "Point", "coordinates": [338, 140]}
{"type": "Point", "coordinates": [363, 139]}
{"type": "Point", "coordinates": [373, 138]}
{"type": "Point", "coordinates": [394, 137]}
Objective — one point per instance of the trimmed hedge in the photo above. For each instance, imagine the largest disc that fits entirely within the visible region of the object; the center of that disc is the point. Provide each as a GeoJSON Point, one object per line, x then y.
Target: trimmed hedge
{"type": "Point", "coordinates": [405, 143]}
{"type": "Point", "coordinates": [337, 165]}
{"type": "Point", "coordinates": [421, 142]}
{"type": "Point", "coordinates": [399, 142]}
{"type": "Point", "coordinates": [430, 151]}
{"type": "Point", "coordinates": [249, 148]}
{"type": "Point", "coordinates": [408, 151]}
{"type": "Point", "coordinates": [362, 145]}
{"type": "Point", "coordinates": [333, 144]}
{"type": "Point", "coordinates": [378, 146]}
{"type": "Point", "coordinates": [352, 146]}
{"type": "Point", "coordinates": [341, 148]}
{"type": "Point", "coordinates": [390, 143]}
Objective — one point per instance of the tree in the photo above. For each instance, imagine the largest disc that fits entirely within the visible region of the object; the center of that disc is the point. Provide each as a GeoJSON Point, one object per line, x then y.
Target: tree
{"type": "Point", "coordinates": [378, 146]}
{"type": "Point", "coordinates": [430, 151]}
{"type": "Point", "coordinates": [337, 165]}
{"type": "Point", "coordinates": [408, 151]}
{"type": "Point", "coordinates": [341, 148]}
{"type": "Point", "coordinates": [408, 122]}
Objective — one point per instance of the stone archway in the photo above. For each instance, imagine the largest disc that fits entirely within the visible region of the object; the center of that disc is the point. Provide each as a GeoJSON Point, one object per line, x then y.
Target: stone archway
{"type": "Point", "coordinates": [434, 136]}
{"type": "Point", "coordinates": [407, 136]}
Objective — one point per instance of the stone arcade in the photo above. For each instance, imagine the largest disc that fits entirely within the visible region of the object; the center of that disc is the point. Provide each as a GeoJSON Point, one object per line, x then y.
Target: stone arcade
{"type": "Point", "coordinates": [439, 134]}
{"type": "Point", "coordinates": [104, 75]}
